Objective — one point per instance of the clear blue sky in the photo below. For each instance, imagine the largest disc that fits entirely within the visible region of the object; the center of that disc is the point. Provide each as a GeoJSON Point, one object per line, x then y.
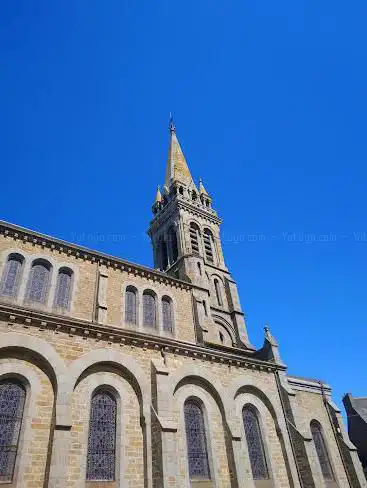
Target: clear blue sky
{"type": "Point", "coordinates": [270, 106]}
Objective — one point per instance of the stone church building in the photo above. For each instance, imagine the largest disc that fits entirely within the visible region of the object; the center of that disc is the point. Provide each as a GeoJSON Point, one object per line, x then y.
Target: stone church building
{"type": "Point", "coordinates": [115, 375]}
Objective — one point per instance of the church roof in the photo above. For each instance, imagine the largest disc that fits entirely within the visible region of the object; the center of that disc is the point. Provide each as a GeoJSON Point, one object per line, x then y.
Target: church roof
{"type": "Point", "coordinates": [177, 169]}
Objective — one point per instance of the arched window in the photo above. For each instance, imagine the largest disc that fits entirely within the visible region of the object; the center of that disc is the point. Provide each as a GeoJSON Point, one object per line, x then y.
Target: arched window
{"type": "Point", "coordinates": [167, 313]}
{"type": "Point", "coordinates": [12, 398]}
{"type": "Point", "coordinates": [149, 310]}
{"type": "Point", "coordinates": [11, 275]}
{"type": "Point", "coordinates": [38, 281]}
{"type": "Point", "coordinates": [218, 292]}
{"type": "Point", "coordinates": [63, 288]}
{"type": "Point", "coordinates": [208, 245]}
{"type": "Point", "coordinates": [255, 444]}
{"type": "Point", "coordinates": [163, 253]}
{"type": "Point", "coordinates": [194, 238]}
{"type": "Point", "coordinates": [321, 450]}
{"type": "Point", "coordinates": [197, 448]}
{"type": "Point", "coordinates": [172, 239]}
{"type": "Point", "coordinates": [101, 456]}
{"type": "Point", "coordinates": [130, 305]}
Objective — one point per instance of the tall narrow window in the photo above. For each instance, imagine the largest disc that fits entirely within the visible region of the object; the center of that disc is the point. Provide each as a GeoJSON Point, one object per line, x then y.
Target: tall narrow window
{"type": "Point", "coordinates": [194, 238]}
{"type": "Point", "coordinates": [130, 305]}
{"type": "Point", "coordinates": [101, 457]}
{"type": "Point", "coordinates": [38, 281]}
{"type": "Point", "coordinates": [63, 288]}
{"type": "Point", "coordinates": [322, 452]}
{"type": "Point", "coordinates": [163, 253]}
{"type": "Point", "coordinates": [218, 292]}
{"type": "Point", "coordinates": [12, 397]}
{"type": "Point", "coordinates": [255, 444]}
{"type": "Point", "coordinates": [11, 275]}
{"type": "Point", "coordinates": [149, 309]}
{"type": "Point", "coordinates": [172, 239]}
{"type": "Point", "coordinates": [197, 448]}
{"type": "Point", "coordinates": [208, 245]}
{"type": "Point", "coordinates": [167, 313]}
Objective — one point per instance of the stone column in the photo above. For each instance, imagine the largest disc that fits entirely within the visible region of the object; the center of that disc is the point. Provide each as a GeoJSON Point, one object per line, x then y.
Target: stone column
{"type": "Point", "coordinates": [59, 457]}
{"type": "Point", "coordinates": [165, 462]}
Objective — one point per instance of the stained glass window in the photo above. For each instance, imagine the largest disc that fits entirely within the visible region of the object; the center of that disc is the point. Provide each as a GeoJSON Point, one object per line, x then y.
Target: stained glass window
{"type": "Point", "coordinates": [38, 282]}
{"type": "Point", "coordinates": [12, 397]}
{"type": "Point", "coordinates": [167, 314]}
{"type": "Point", "coordinates": [197, 449]}
{"type": "Point", "coordinates": [321, 450]}
{"type": "Point", "coordinates": [149, 310]}
{"type": "Point", "coordinates": [218, 292]}
{"type": "Point", "coordinates": [63, 288]}
{"type": "Point", "coordinates": [208, 240]}
{"type": "Point", "coordinates": [11, 275]}
{"type": "Point", "coordinates": [102, 438]}
{"type": "Point", "coordinates": [255, 444]}
{"type": "Point", "coordinates": [130, 305]}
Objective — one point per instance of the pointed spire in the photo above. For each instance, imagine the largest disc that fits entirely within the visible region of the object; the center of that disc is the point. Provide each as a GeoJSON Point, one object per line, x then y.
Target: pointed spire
{"type": "Point", "coordinates": [158, 197]}
{"type": "Point", "coordinates": [202, 189]}
{"type": "Point", "coordinates": [177, 169]}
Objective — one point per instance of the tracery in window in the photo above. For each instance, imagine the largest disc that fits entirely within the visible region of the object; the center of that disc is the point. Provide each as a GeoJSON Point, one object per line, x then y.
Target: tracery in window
{"type": "Point", "coordinates": [12, 398]}
{"type": "Point", "coordinates": [208, 245]}
{"type": "Point", "coordinates": [197, 448]}
{"type": "Point", "coordinates": [255, 444]}
{"type": "Point", "coordinates": [167, 314]}
{"type": "Point", "coordinates": [63, 288]}
{"type": "Point", "coordinates": [149, 309]}
{"type": "Point", "coordinates": [194, 238]}
{"type": "Point", "coordinates": [101, 456]}
{"type": "Point", "coordinates": [130, 305]}
{"type": "Point", "coordinates": [11, 275]}
{"type": "Point", "coordinates": [321, 450]}
{"type": "Point", "coordinates": [218, 292]}
{"type": "Point", "coordinates": [38, 281]}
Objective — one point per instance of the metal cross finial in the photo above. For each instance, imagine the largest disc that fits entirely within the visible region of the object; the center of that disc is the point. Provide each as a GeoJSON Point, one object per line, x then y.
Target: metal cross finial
{"type": "Point", "coordinates": [172, 127]}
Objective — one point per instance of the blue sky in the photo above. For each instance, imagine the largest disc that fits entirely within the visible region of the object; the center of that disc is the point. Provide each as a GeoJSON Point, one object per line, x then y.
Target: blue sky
{"type": "Point", "coordinates": [270, 106]}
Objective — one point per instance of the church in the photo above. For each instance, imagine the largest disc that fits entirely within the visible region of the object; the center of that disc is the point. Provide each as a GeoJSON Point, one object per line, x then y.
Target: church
{"type": "Point", "coordinates": [116, 375]}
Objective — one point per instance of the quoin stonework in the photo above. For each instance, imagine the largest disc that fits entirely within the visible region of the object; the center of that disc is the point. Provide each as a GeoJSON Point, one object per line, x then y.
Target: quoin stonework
{"type": "Point", "coordinates": [118, 375]}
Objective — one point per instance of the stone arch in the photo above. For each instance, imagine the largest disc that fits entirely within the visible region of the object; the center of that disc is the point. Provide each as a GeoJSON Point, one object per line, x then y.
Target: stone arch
{"type": "Point", "coordinates": [251, 387]}
{"type": "Point", "coordinates": [48, 360]}
{"type": "Point", "coordinates": [226, 325]}
{"type": "Point", "coordinates": [191, 376]}
{"type": "Point", "coordinates": [121, 362]}
{"type": "Point", "coordinates": [29, 378]}
{"type": "Point", "coordinates": [119, 387]}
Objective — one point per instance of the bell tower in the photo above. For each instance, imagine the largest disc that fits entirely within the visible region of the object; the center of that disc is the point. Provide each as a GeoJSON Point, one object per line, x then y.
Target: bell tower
{"type": "Point", "coordinates": [185, 234]}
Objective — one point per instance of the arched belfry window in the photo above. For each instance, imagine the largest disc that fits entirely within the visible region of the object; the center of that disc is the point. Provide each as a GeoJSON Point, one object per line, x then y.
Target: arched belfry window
{"type": "Point", "coordinates": [101, 458]}
{"type": "Point", "coordinates": [163, 253]}
{"type": "Point", "coordinates": [208, 245]}
{"type": "Point", "coordinates": [218, 292]}
{"type": "Point", "coordinates": [11, 275]}
{"type": "Point", "coordinates": [194, 238]}
{"type": "Point", "coordinates": [130, 305]}
{"type": "Point", "coordinates": [255, 444]}
{"type": "Point", "coordinates": [12, 398]}
{"type": "Point", "coordinates": [63, 288]}
{"type": "Point", "coordinates": [167, 314]}
{"type": "Point", "coordinates": [172, 239]}
{"type": "Point", "coordinates": [321, 450]}
{"type": "Point", "coordinates": [38, 281]}
{"type": "Point", "coordinates": [197, 446]}
{"type": "Point", "coordinates": [149, 309]}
